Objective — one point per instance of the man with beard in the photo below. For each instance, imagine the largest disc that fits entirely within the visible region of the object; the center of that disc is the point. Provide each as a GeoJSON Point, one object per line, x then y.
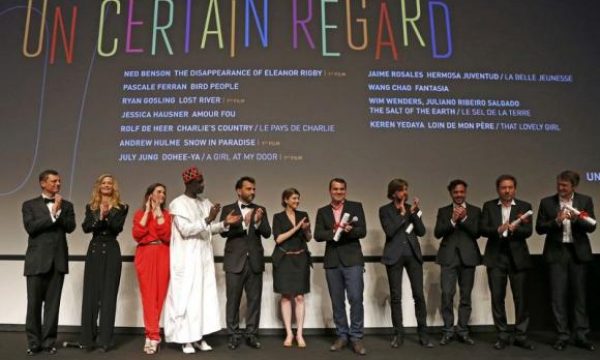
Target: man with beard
{"type": "Point", "coordinates": [458, 226]}
{"type": "Point", "coordinates": [244, 262]}
{"type": "Point", "coordinates": [507, 258]}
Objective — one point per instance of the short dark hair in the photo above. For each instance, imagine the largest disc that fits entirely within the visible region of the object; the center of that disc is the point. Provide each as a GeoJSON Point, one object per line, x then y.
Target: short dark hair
{"type": "Point", "coordinates": [504, 177]}
{"type": "Point", "coordinates": [44, 174]}
{"type": "Point", "coordinates": [454, 183]}
{"type": "Point", "coordinates": [395, 185]}
{"type": "Point", "coordinates": [287, 193]}
{"type": "Point", "coordinates": [240, 182]}
{"type": "Point", "coordinates": [149, 192]}
{"type": "Point", "coordinates": [337, 180]}
{"type": "Point", "coordinates": [570, 176]}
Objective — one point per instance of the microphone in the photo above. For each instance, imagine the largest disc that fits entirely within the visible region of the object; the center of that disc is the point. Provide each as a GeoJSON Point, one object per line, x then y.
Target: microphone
{"type": "Point", "coordinates": [340, 228]}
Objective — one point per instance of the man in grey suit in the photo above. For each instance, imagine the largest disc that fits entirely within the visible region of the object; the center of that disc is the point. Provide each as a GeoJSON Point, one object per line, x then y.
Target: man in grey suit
{"type": "Point", "coordinates": [458, 226]}
{"type": "Point", "coordinates": [47, 220]}
{"type": "Point", "coordinates": [567, 251]}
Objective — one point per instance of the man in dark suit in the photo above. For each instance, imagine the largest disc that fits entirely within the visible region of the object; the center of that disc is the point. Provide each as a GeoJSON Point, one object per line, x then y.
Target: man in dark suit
{"type": "Point", "coordinates": [344, 263]}
{"type": "Point", "coordinates": [47, 220]}
{"type": "Point", "coordinates": [402, 224]}
{"type": "Point", "coordinates": [507, 258]}
{"type": "Point", "coordinates": [567, 251]}
{"type": "Point", "coordinates": [458, 226]}
{"type": "Point", "coordinates": [244, 262]}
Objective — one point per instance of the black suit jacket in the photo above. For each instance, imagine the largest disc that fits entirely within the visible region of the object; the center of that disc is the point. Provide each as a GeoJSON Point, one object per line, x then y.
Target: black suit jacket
{"type": "Point", "coordinates": [394, 225]}
{"type": "Point", "coordinates": [346, 251]}
{"type": "Point", "coordinates": [462, 237]}
{"type": "Point", "coordinates": [491, 219]}
{"type": "Point", "coordinates": [242, 244]}
{"type": "Point", "coordinates": [546, 224]}
{"type": "Point", "coordinates": [47, 242]}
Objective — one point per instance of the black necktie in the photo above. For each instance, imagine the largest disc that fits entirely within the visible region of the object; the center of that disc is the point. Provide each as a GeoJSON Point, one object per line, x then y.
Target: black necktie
{"type": "Point", "coordinates": [46, 200]}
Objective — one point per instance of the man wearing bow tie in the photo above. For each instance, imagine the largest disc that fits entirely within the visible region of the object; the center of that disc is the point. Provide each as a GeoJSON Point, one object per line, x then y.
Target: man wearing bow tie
{"type": "Point", "coordinates": [47, 220]}
{"type": "Point", "coordinates": [244, 262]}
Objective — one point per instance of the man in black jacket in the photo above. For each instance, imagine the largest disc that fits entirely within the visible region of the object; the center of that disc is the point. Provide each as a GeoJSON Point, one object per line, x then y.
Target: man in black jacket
{"type": "Point", "coordinates": [458, 226]}
{"type": "Point", "coordinates": [344, 263]}
{"type": "Point", "coordinates": [47, 220]}
{"type": "Point", "coordinates": [244, 262]}
{"type": "Point", "coordinates": [567, 251]}
{"type": "Point", "coordinates": [507, 258]}
{"type": "Point", "coordinates": [402, 224]}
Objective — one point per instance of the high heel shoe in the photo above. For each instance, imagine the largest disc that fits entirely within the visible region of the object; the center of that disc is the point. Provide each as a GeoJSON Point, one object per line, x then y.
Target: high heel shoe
{"type": "Point", "coordinates": [301, 342]}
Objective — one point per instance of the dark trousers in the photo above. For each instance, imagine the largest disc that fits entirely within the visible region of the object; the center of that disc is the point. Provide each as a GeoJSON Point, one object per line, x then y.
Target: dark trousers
{"type": "Point", "coordinates": [235, 284]}
{"type": "Point", "coordinates": [465, 276]}
{"type": "Point", "coordinates": [497, 280]}
{"type": "Point", "coordinates": [568, 285]}
{"type": "Point", "coordinates": [414, 270]}
{"type": "Point", "coordinates": [342, 282]}
{"type": "Point", "coordinates": [101, 279]}
{"type": "Point", "coordinates": [43, 290]}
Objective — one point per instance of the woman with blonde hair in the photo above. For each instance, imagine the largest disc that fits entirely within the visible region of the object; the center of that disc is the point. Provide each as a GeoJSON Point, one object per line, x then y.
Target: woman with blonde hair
{"type": "Point", "coordinates": [104, 217]}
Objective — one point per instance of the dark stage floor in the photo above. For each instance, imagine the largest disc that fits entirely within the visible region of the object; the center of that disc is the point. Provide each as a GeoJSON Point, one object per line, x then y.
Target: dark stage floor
{"type": "Point", "coordinates": [13, 344]}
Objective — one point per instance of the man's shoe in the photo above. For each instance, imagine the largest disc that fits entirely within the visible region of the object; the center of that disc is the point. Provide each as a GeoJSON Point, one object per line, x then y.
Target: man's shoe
{"type": "Point", "coordinates": [233, 342]}
{"type": "Point", "coordinates": [446, 339]}
{"type": "Point", "coordinates": [397, 341]}
{"type": "Point", "coordinates": [466, 339]}
{"type": "Point", "coordinates": [338, 344]}
{"type": "Point", "coordinates": [559, 345]}
{"type": "Point", "coordinates": [358, 347]}
{"type": "Point", "coordinates": [253, 342]}
{"type": "Point", "coordinates": [500, 344]}
{"type": "Point", "coordinates": [585, 344]}
{"type": "Point", "coordinates": [425, 342]}
{"type": "Point", "coordinates": [33, 351]}
{"type": "Point", "coordinates": [524, 344]}
{"type": "Point", "coordinates": [50, 350]}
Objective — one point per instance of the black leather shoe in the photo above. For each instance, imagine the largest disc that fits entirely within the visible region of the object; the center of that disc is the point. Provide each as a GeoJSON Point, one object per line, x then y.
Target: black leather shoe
{"type": "Point", "coordinates": [253, 342]}
{"type": "Point", "coordinates": [103, 349]}
{"type": "Point", "coordinates": [446, 339]}
{"type": "Point", "coordinates": [359, 348]}
{"type": "Point", "coordinates": [585, 344]}
{"type": "Point", "coordinates": [466, 339]}
{"type": "Point", "coordinates": [559, 345]}
{"type": "Point", "coordinates": [524, 344]}
{"type": "Point", "coordinates": [33, 351]}
{"type": "Point", "coordinates": [50, 350]}
{"type": "Point", "coordinates": [425, 342]}
{"type": "Point", "coordinates": [397, 341]}
{"type": "Point", "coordinates": [338, 344]}
{"type": "Point", "coordinates": [233, 342]}
{"type": "Point", "coordinates": [500, 344]}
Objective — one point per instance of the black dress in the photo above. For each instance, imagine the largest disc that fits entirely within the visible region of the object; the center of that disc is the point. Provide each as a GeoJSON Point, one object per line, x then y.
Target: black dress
{"type": "Point", "coordinates": [291, 272]}
{"type": "Point", "coordinates": [102, 275]}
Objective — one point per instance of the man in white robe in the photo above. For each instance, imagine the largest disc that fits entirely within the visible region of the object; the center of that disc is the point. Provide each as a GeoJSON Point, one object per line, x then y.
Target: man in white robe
{"type": "Point", "coordinates": [192, 305]}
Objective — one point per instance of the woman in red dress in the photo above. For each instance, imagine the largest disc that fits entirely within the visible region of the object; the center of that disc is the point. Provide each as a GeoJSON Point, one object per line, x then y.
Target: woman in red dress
{"type": "Point", "coordinates": [152, 231]}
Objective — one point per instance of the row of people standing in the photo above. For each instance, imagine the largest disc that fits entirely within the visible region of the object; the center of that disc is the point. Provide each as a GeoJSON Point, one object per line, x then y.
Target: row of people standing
{"type": "Point", "coordinates": [191, 292]}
